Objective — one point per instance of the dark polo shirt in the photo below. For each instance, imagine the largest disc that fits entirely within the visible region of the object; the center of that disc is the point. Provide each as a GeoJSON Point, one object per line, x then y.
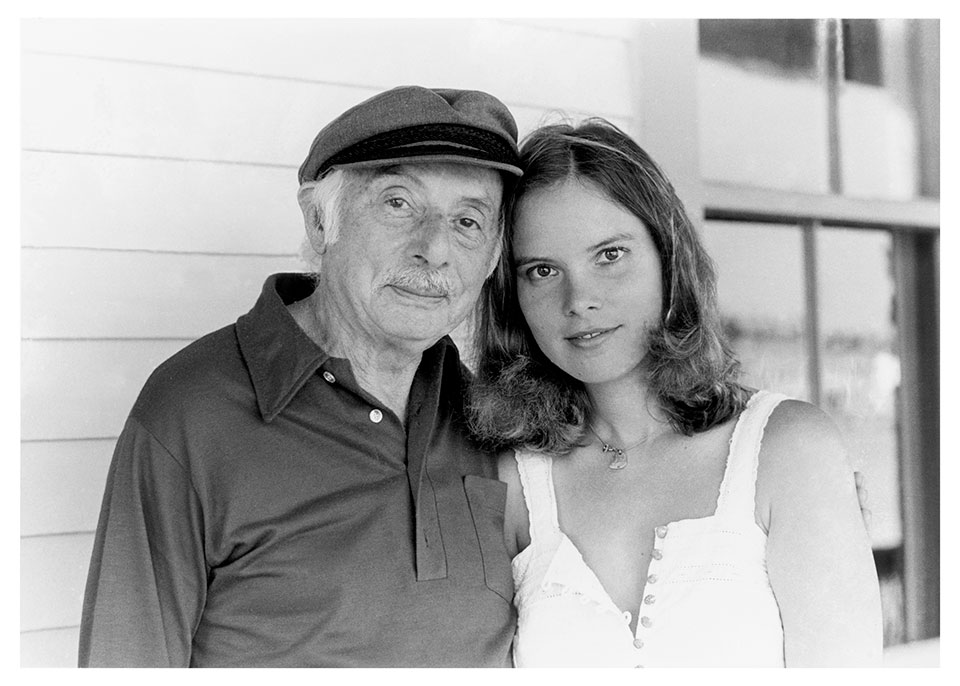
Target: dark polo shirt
{"type": "Point", "coordinates": [262, 509]}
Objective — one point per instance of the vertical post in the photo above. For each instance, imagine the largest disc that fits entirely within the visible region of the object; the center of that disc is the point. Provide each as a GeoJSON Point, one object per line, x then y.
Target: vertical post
{"type": "Point", "coordinates": [915, 263]}
{"type": "Point", "coordinates": [831, 37]}
{"type": "Point", "coordinates": [925, 76]}
{"type": "Point", "coordinates": [812, 311]}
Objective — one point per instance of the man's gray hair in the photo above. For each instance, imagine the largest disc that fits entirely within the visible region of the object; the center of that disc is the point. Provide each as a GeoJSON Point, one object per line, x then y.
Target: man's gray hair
{"type": "Point", "coordinates": [327, 197]}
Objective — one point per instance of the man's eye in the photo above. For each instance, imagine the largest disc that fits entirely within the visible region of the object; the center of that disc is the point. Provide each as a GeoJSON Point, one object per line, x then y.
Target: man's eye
{"type": "Point", "coordinates": [468, 223]}
{"type": "Point", "coordinates": [397, 203]}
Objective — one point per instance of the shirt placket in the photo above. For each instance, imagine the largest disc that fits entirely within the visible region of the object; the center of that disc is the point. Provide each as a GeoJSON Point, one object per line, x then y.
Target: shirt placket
{"type": "Point", "coordinates": [649, 603]}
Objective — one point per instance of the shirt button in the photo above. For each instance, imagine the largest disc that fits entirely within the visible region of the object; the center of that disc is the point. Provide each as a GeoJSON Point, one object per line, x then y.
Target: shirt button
{"type": "Point", "coordinates": [329, 377]}
{"type": "Point", "coordinates": [376, 416]}
{"type": "Point", "coordinates": [649, 600]}
{"type": "Point", "coordinates": [646, 622]}
{"type": "Point", "coordinates": [661, 531]}
{"type": "Point", "coordinates": [652, 579]}
{"type": "Point", "coordinates": [637, 643]}
{"type": "Point", "coordinates": [657, 554]}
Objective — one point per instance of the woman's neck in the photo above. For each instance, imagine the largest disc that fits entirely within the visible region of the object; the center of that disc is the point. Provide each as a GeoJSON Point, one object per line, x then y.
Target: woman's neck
{"type": "Point", "coordinates": [626, 411]}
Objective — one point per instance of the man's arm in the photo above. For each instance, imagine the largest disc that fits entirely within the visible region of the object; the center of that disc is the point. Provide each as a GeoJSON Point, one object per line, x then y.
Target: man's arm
{"type": "Point", "coordinates": [147, 582]}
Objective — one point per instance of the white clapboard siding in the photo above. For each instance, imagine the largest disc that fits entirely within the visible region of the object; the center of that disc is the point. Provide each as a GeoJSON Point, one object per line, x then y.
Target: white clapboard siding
{"type": "Point", "coordinates": [61, 485]}
{"type": "Point", "coordinates": [53, 571]}
{"type": "Point", "coordinates": [72, 293]}
{"type": "Point", "coordinates": [49, 647]}
{"type": "Point", "coordinates": [126, 108]}
{"type": "Point", "coordinates": [146, 110]}
{"type": "Point", "coordinates": [97, 201]}
{"type": "Point", "coordinates": [520, 63]}
{"type": "Point", "coordinates": [84, 389]}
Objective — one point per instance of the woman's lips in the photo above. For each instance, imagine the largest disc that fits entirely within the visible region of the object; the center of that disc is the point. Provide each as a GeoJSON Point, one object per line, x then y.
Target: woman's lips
{"type": "Point", "coordinates": [589, 338]}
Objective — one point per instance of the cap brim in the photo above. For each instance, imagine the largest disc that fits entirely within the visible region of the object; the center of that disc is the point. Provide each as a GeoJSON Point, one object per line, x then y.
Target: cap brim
{"type": "Point", "coordinates": [420, 159]}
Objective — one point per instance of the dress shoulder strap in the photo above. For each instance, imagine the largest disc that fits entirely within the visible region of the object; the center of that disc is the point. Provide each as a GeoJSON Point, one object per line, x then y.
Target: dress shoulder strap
{"type": "Point", "coordinates": [737, 498]}
{"type": "Point", "coordinates": [536, 478]}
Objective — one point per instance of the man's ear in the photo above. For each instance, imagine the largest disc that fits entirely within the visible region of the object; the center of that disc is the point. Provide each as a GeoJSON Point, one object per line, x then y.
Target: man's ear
{"type": "Point", "coordinates": [312, 221]}
{"type": "Point", "coordinates": [495, 256]}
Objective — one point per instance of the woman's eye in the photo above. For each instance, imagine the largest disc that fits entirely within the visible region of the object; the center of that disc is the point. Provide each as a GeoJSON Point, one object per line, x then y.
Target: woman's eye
{"type": "Point", "coordinates": [397, 203]}
{"type": "Point", "coordinates": [611, 254]}
{"type": "Point", "coordinates": [541, 271]}
{"type": "Point", "coordinates": [468, 223]}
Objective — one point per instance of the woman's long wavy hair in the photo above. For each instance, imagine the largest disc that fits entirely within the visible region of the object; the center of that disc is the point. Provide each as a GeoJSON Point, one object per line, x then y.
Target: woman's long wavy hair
{"type": "Point", "coordinates": [521, 399]}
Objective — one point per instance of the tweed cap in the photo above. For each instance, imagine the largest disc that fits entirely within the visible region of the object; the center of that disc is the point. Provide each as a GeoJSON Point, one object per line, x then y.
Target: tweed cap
{"type": "Point", "coordinates": [428, 124]}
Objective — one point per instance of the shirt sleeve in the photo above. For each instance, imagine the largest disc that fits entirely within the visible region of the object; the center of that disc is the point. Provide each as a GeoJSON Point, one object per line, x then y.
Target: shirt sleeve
{"type": "Point", "coordinates": [146, 586]}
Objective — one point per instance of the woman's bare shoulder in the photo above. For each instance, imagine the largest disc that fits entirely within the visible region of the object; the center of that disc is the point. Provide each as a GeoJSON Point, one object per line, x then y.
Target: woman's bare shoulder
{"type": "Point", "coordinates": [802, 461]}
{"type": "Point", "coordinates": [516, 520]}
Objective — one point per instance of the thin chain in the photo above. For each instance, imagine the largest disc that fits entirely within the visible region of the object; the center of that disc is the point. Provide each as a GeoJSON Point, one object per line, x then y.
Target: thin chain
{"type": "Point", "coordinates": [619, 459]}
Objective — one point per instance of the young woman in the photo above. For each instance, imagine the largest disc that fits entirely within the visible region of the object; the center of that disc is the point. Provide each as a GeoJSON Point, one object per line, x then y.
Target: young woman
{"type": "Point", "coordinates": [659, 512]}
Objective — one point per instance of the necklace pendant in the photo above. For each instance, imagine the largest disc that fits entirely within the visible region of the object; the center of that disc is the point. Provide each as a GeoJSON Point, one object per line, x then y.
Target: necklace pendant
{"type": "Point", "coordinates": [619, 461]}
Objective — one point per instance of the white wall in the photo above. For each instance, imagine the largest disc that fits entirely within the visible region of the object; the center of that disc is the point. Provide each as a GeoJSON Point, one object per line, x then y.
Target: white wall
{"type": "Point", "coordinates": [159, 164]}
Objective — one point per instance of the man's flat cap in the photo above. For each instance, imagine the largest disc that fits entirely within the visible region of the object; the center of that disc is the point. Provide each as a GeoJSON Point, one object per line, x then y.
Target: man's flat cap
{"type": "Point", "coordinates": [415, 124]}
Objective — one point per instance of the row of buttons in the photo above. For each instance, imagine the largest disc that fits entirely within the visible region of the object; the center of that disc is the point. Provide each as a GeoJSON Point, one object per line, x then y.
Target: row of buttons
{"type": "Point", "coordinates": [376, 416]}
{"type": "Point", "coordinates": [650, 599]}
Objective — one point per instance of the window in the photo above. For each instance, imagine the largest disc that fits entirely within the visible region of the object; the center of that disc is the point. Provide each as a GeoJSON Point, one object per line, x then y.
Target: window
{"type": "Point", "coordinates": [819, 106]}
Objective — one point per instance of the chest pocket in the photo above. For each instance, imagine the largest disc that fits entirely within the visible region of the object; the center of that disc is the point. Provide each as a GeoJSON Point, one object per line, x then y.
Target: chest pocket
{"type": "Point", "coordinates": [488, 499]}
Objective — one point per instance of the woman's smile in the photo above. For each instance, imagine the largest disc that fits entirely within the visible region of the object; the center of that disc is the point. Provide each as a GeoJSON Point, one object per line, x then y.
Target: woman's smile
{"type": "Point", "coordinates": [591, 338]}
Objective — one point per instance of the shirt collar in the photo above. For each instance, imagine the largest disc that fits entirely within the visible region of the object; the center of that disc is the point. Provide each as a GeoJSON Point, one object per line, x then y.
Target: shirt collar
{"type": "Point", "coordinates": [281, 357]}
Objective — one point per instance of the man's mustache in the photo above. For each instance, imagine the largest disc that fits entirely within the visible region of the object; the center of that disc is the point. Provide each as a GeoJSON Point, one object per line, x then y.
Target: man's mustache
{"type": "Point", "coordinates": [421, 281]}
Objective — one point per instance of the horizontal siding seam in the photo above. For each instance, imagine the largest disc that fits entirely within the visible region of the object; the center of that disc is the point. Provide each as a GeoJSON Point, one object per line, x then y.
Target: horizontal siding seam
{"type": "Point", "coordinates": [156, 251]}
{"type": "Point", "coordinates": [68, 440]}
{"type": "Point", "coordinates": [198, 68]}
{"type": "Point", "coordinates": [113, 339]}
{"type": "Point", "coordinates": [162, 158]}
{"type": "Point", "coordinates": [59, 534]}
{"type": "Point", "coordinates": [567, 32]}
{"type": "Point", "coordinates": [50, 628]}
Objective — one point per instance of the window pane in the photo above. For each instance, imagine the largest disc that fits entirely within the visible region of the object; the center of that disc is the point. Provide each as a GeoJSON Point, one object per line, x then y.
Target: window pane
{"type": "Point", "coordinates": [763, 108]}
{"type": "Point", "coordinates": [762, 302]}
{"type": "Point", "coordinates": [878, 111]}
{"type": "Point", "coordinates": [861, 364]}
{"type": "Point", "coordinates": [861, 51]}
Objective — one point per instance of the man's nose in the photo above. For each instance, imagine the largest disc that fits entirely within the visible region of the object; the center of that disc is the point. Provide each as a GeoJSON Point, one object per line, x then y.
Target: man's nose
{"type": "Point", "coordinates": [431, 240]}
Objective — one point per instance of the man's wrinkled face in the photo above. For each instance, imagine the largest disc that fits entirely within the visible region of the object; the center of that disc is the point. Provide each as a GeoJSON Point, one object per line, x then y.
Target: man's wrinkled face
{"type": "Point", "coordinates": [416, 243]}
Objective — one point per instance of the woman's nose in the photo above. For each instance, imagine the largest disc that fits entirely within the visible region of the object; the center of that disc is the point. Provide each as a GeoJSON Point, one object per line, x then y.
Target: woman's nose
{"type": "Point", "coordinates": [581, 296]}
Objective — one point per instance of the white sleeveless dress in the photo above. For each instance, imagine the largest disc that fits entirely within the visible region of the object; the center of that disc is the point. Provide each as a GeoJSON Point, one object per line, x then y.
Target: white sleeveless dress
{"type": "Point", "coordinates": [707, 599]}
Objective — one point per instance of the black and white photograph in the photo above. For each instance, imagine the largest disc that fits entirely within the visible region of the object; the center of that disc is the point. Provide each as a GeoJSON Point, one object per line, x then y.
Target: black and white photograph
{"type": "Point", "coordinates": [477, 342]}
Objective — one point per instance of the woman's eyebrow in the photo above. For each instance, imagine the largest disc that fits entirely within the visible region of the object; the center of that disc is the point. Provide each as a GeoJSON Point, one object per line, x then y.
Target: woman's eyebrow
{"type": "Point", "coordinates": [521, 261]}
{"type": "Point", "coordinates": [618, 238]}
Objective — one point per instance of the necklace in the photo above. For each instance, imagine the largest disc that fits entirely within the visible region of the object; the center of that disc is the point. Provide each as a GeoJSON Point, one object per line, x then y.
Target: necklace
{"type": "Point", "coordinates": [619, 459]}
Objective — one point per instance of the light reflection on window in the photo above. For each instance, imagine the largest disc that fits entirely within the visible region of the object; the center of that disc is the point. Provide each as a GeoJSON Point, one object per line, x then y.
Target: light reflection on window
{"type": "Point", "coordinates": [860, 363]}
{"type": "Point", "coordinates": [761, 296]}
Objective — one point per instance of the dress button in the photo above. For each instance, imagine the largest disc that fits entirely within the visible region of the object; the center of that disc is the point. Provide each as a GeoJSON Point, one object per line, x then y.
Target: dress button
{"type": "Point", "coordinates": [376, 416]}
{"type": "Point", "coordinates": [652, 579]}
{"type": "Point", "coordinates": [657, 554]}
{"type": "Point", "coordinates": [637, 643]}
{"type": "Point", "coordinates": [649, 600]}
{"type": "Point", "coordinates": [661, 531]}
{"type": "Point", "coordinates": [646, 622]}
{"type": "Point", "coordinates": [329, 377]}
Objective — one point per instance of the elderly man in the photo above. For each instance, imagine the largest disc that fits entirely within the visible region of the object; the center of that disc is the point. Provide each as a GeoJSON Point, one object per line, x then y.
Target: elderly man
{"type": "Point", "coordinates": [298, 489]}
